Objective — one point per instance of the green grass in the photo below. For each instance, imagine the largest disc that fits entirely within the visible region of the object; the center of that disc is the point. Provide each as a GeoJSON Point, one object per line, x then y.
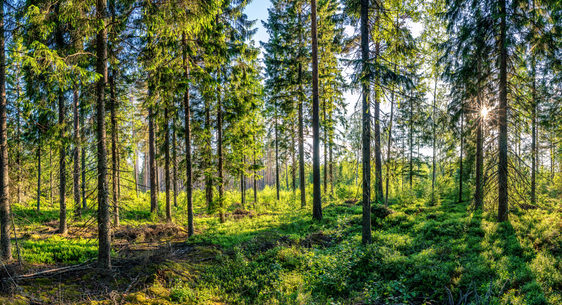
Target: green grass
{"type": "Point", "coordinates": [422, 253]}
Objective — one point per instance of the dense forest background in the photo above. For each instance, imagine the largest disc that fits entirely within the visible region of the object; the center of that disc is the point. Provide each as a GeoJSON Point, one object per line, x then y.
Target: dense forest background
{"type": "Point", "coordinates": [369, 152]}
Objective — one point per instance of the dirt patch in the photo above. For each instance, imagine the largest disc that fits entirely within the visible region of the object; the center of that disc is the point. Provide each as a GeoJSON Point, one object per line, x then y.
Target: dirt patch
{"type": "Point", "coordinates": [265, 242]}
{"type": "Point", "coordinates": [150, 233]}
{"type": "Point", "coordinates": [241, 213]}
{"type": "Point", "coordinates": [317, 239]}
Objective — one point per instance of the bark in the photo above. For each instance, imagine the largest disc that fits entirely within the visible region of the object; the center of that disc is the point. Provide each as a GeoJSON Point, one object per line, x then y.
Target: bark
{"type": "Point", "coordinates": [366, 125]}
{"type": "Point", "coordinates": [461, 154]}
{"type": "Point", "coordinates": [378, 163]}
{"type": "Point", "coordinates": [478, 192]}
{"type": "Point", "coordinates": [152, 161]}
{"type": "Point", "coordinates": [187, 123]}
{"type": "Point", "coordinates": [208, 178]}
{"type": "Point", "coordinates": [411, 140]}
{"type": "Point", "coordinates": [39, 176]}
{"type": "Point", "coordinates": [276, 154]}
{"type": "Point", "coordinates": [502, 118]}
{"type": "Point", "coordinates": [174, 164]}
{"type": "Point", "coordinates": [302, 182]}
{"type": "Point", "coordinates": [104, 238]}
{"type": "Point", "coordinates": [114, 162]}
{"type": "Point", "coordinates": [434, 138]}
{"type": "Point", "coordinates": [76, 154]}
{"type": "Point", "coordinates": [62, 167]}
{"type": "Point", "coordinates": [167, 161]}
{"type": "Point", "coordinates": [316, 196]}
{"type": "Point", "coordinates": [325, 147]}
{"type": "Point", "coordinates": [83, 161]}
{"type": "Point", "coordinates": [220, 158]}
{"type": "Point", "coordinates": [534, 136]}
{"type": "Point", "coordinates": [18, 139]}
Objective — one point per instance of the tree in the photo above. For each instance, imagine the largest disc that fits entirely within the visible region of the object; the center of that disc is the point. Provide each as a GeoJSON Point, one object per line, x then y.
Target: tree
{"type": "Point", "coordinates": [104, 237]}
{"type": "Point", "coordinates": [4, 191]}
{"type": "Point", "coordinates": [316, 195]}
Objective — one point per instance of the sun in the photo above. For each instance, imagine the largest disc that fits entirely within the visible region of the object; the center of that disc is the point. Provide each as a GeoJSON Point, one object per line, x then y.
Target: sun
{"type": "Point", "coordinates": [484, 112]}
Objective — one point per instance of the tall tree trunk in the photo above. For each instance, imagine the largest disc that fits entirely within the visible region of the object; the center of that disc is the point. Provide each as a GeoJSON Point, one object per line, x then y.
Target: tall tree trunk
{"type": "Point", "coordinates": [316, 196]}
{"type": "Point", "coordinates": [59, 40]}
{"type": "Point", "coordinates": [378, 163]}
{"type": "Point", "coordinates": [533, 135]}
{"type": "Point", "coordinates": [325, 147]}
{"type": "Point", "coordinates": [174, 163]}
{"type": "Point", "coordinates": [302, 179]}
{"type": "Point", "coordinates": [502, 118]}
{"type": "Point", "coordinates": [18, 138]}
{"type": "Point", "coordinates": [461, 154]}
{"type": "Point", "coordinates": [114, 131]}
{"type": "Point", "coordinates": [51, 189]}
{"type": "Point", "coordinates": [478, 193]}
{"type": "Point", "coordinates": [5, 217]}
{"type": "Point", "coordinates": [255, 180]}
{"type": "Point", "coordinates": [293, 162]}
{"type": "Point", "coordinates": [434, 138]}
{"type": "Point", "coordinates": [39, 176]}
{"type": "Point", "coordinates": [220, 157]}
{"type": "Point", "coordinates": [83, 161]}
{"type": "Point", "coordinates": [208, 177]}
{"type": "Point", "coordinates": [167, 161]}
{"type": "Point", "coordinates": [76, 154]}
{"type": "Point", "coordinates": [242, 183]}
{"type": "Point", "coordinates": [135, 160]}
{"type": "Point", "coordinates": [276, 154]}
{"type": "Point", "coordinates": [411, 140]}
{"type": "Point", "coordinates": [62, 167]}
{"type": "Point", "coordinates": [152, 161]}
{"type": "Point", "coordinates": [366, 124]}
{"type": "Point", "coordinates": [187, 123]}
{"type": "Point", "coordinates": [104, 238]}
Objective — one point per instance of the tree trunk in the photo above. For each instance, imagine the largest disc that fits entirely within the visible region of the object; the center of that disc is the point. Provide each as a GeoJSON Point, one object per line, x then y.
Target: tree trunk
{"type": "Point", "coordinates": [378, 163]}
{"type": "Point", "coordinates": [39, 176]}
{"type": "Point", "coordinates": [411, 140]}
{"type": "Point", "coordinates": [461, 154]}
{"type": "Point", "coordinates": [18, 138]}
{"type": "Point", "coordinates": [174, 163]}
{"type": "Point", "coordinates": [83, 161]}
{"type": "Point", "coordinates": [325, 147]}
{"type": "Point", "coordinates": [366, 124]}
{"type": "Point", "coordinates": [62, 167]}
{"type": "Point", "coordinates": [255, 181]}
{"type": "Point", "coordinates": [76, 154]}
{"type": "Point", "coordinates": [478, 193]}
{"type": "Point", "coordinates": [187, 124]}
{"type": "Point", "coordinates": [302, 179]}
{"type": "Point", "coordinates": [276, 154]}
{"type": "Point", "coordinates": [208, 177]}
{"type": "Point", "coordinates": [316, 196]}
{"type": "Point", "coordinates": [220, 158]}
{"type": "Point", "coordinates": [534, 103]}
{"type": "Point", "coordinates": [502, 119]}
{"type": "Point", "coordinates": [434, 138]}
{"type": "Point", "coordinates": [389, 144]}
{"type": "Point", "coordinates": [113, 114]}
{"type": "Point", "coordinates": [5, 244]}
{"type": "Point", "coordinates": [152, 161]}
{"type": "Point", "coordinates": [167, 161]}
{"type": "Point", "coordinates": [104, 238]}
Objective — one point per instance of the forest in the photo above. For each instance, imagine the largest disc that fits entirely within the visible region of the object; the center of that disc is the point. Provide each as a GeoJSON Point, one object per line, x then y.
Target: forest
{"type": "Point", "coordinates": [281, 152]}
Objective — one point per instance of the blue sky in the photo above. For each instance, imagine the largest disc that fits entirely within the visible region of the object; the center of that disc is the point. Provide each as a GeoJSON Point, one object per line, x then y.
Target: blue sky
{"type": "Point", "coordinates": [257, 10]}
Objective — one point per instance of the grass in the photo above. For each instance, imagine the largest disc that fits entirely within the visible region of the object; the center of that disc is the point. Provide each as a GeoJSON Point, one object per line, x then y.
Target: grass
{"type": "Point", "coordinates": [441, 253]}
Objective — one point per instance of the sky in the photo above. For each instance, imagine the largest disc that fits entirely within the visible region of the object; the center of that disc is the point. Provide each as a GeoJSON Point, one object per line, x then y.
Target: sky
{"type": "Point", "coordinates": [257, 10]}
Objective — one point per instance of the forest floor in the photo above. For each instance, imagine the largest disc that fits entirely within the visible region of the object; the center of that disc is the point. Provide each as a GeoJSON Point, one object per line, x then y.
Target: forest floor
{"type": "Point", "coordinates": [421, 254]}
